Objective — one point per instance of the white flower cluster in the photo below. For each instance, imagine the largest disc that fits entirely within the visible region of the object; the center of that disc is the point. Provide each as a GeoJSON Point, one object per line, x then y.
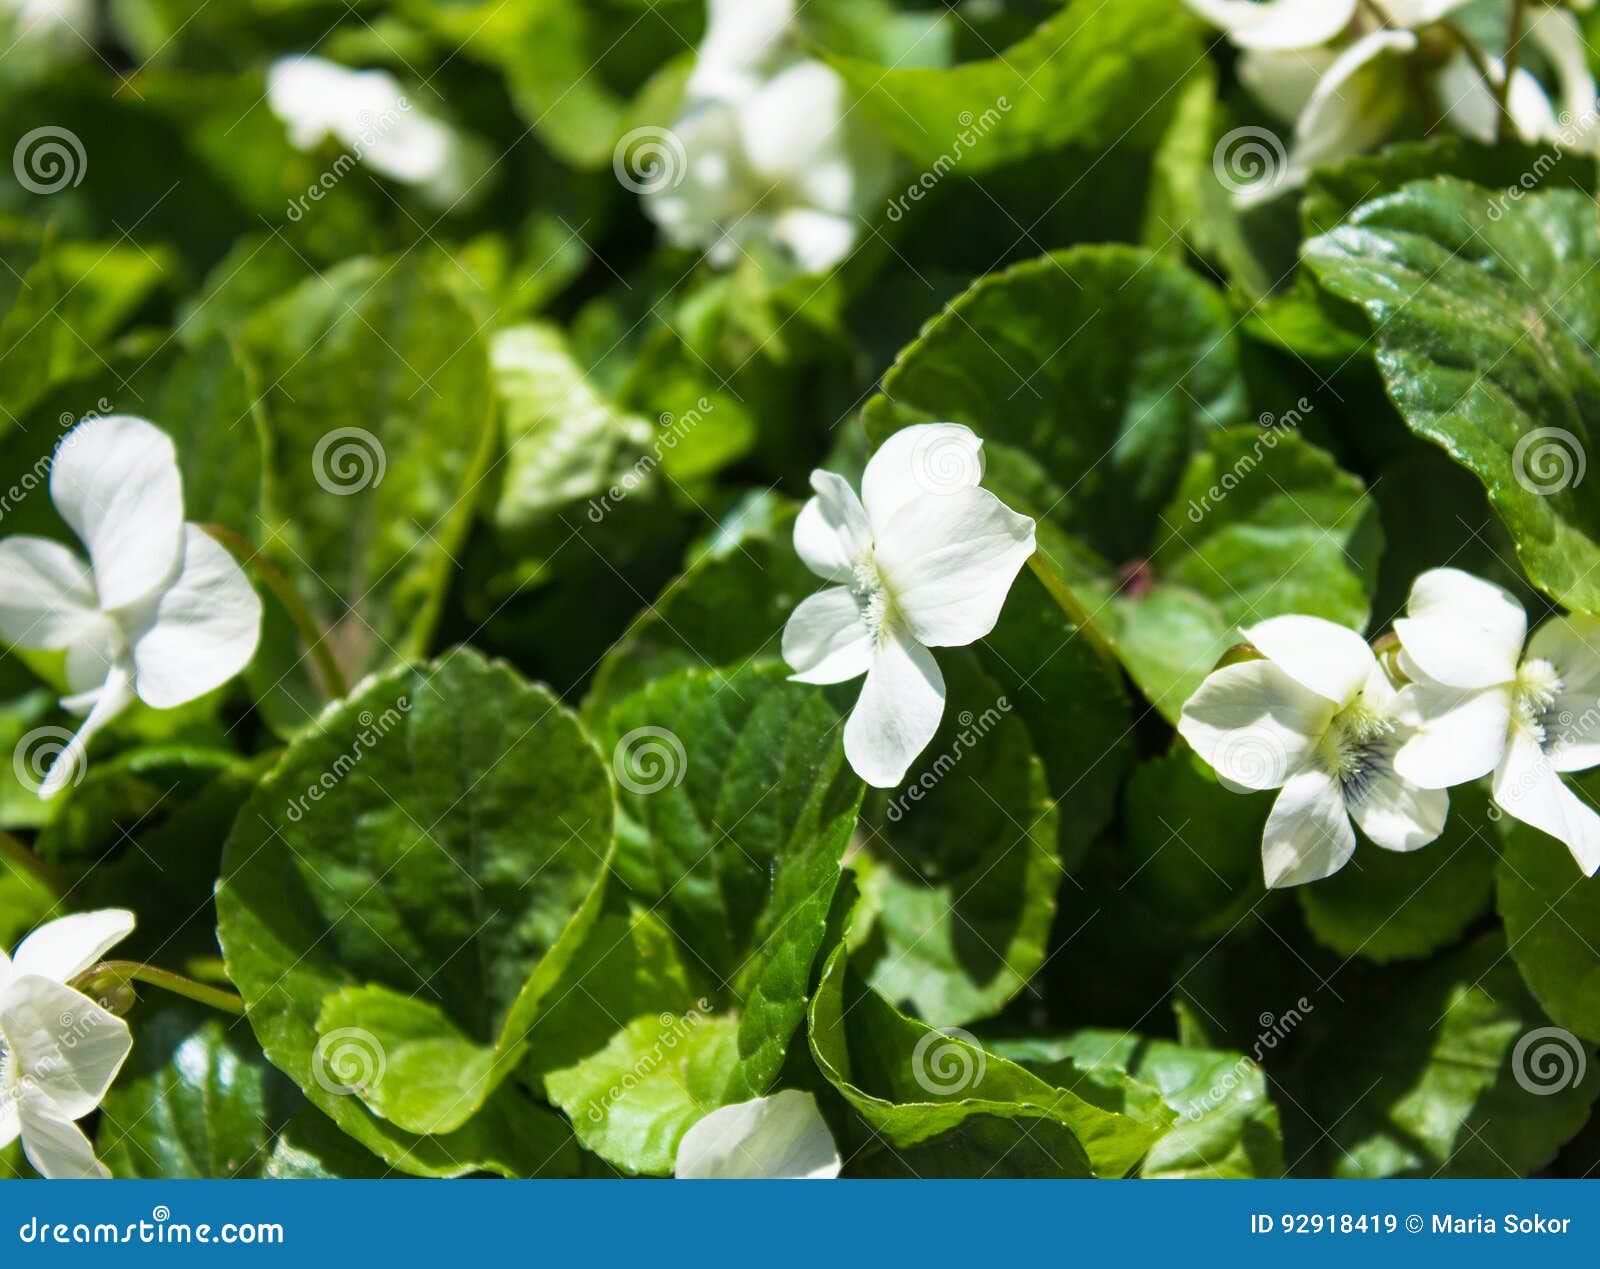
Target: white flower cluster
{"type": "Point", "coordinates": [1319, 717]}
{"type": "Point", "coordinates": [1344, 72]}
{"type": "Point", "coordinates": [772, 151]}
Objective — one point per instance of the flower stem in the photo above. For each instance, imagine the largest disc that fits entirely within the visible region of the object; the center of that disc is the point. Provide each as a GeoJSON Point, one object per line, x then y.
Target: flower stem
{"type": "Point", "coordinates": [110, 976]}
{"type": "Point", "coordinates": [1513, 55]}
{"type": "Point", "coordinates": [13, 852]}
{"type": "Point", "coordinates": [334, 685]}
{"type": "Point", "coordinates": [1053, 582]}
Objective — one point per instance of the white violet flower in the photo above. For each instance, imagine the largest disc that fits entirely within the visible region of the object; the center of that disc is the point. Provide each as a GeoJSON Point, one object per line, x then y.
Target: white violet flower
{"type": "Point", "coordinates": [161, 613]}
{"type": "Point", "coordinates": [771, 150]}
{"type": "Point", "coordinates": [781, 1137]}
{"type": "Point", "coordinates": [59, 1050]}
{"type": "Point", "coordinates": [1338, 71]}
{"type": "Point", "coordinates": [923, 559]}
{"type": "Point", "coordinates": [1485, 698]}
{"type": "Point", "coordinates": [369, 114]}
{"type": "Point", "coordinates": [1316, 717]}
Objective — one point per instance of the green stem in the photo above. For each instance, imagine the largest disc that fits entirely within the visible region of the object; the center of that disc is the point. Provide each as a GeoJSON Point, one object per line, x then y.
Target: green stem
{"type": "Point", "coordinates": [1513, 56]}
{"type": "Point", "coordinates": [111, 975]}
{"type": "Point", "coordinates": [1076, 613]}
{"type": "Point", "coordinates": [334, 685]}
{"type": "Point", "coordinates": [47, 874]}
{"type": "Point", "coordinates": [1481, 64]}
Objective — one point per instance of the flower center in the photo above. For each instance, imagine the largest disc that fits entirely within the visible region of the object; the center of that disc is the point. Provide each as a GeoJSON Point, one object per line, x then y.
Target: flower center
{"type": "Point", "coordinates": [1359, 742]}
{"type": "Point", "coordinates": [1538, 687]}
{"type": "Point", "coordinates": [872, 593]}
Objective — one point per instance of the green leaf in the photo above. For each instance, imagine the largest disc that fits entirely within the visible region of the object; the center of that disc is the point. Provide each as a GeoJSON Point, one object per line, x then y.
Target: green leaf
{"type": "Point", "coordinates": [1484, 323]}
{"type": "Point", "coordinates": [1437, 1073]}
{"type": "Point", "coordinates": [964, 871]}
{"type": "Point", "coordinates": [1227, 1125]}
{"type": "Point", "coordinates": [565, 443]}
{"type": "Point", "coordinates": [195, 1100]}
{"type": "Point", "coordinates": [1087, 76]}
{"type": "Point", "coordinates": [1553, 924]}
{"type": "Point", "coordinates": [735, 812]}
{"type": "Point", "coordinates": [919, 1088]}
{"type": "Point", "coordinates": [1386, 904]}
{"type": "Point", "coordinates": [1092, 373]}
{"type": "Point", "coordinates": [441, 836]}
{"type": "Point", "coordinates": [378, 404]}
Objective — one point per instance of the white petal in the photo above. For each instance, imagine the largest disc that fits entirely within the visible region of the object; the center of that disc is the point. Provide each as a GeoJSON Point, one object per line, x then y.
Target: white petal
{"type": "Point", "coordinates": [898, 713]}
{"type": "Point", "coordinates": [54, 1144]}
{"type": "Point", "coordinates": [1559, 37]}
{"type": "Point", "coordinates": [306, 93]}
{"type": "Point", "coordinates": [1396, 814]}
{"type": "Point", "coordinates": [949, 561]}
{"type": "Point", "coordinates": [740, 36]}
{"type": "Point", "coordinates": [204, 628]}
{"type": "Point", "coordinates": [1332, 660]}
{"type": "Point", "coordinates": [1356, 104]}
{"type": "Point", "coordinates": [1254, 724]}
{"type": "Point", "coordinates": [47, 595]}
{"type": "Point", "coordinates": [780, 1137]}
{"type": "Point", "coordinates": [928, 458]}
{"type": "Point", "coordinates": [1462, 631]}
{"type": "Point", "coordinates": [10, 1117]}
{"type": "Point", "coordinates": [795, 121]}
{"type": "Point", "coordinates": [1277, 24]}
{"type": "Point", "coordinates": [818, 240]}
{"type": "Point", "coordinates": [826, 640]}
{"type": "Point", "coordinates": [1283, 82]}
{"type": "Point", "coordinates": [64, 948]}
{"type": "Point", "coordinates": [1470, 103]}
{"type": "Point", "coordinates": [831, 535]}
{"type": "Point", "coordinates": [1527, 787]}
{"type": "Point", "coordinates": [1460, 735]}
{"type": "Point", "coordinates": [1308, 835]}
{"type": "Point", "coordinates": [63, 1043]}
{"type": "Point", "coordinates": [1415, 13]}
{"type": "Point", "coordinates": [115, 481]}
{"type": "Point", "coordinates": [111, 700]}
